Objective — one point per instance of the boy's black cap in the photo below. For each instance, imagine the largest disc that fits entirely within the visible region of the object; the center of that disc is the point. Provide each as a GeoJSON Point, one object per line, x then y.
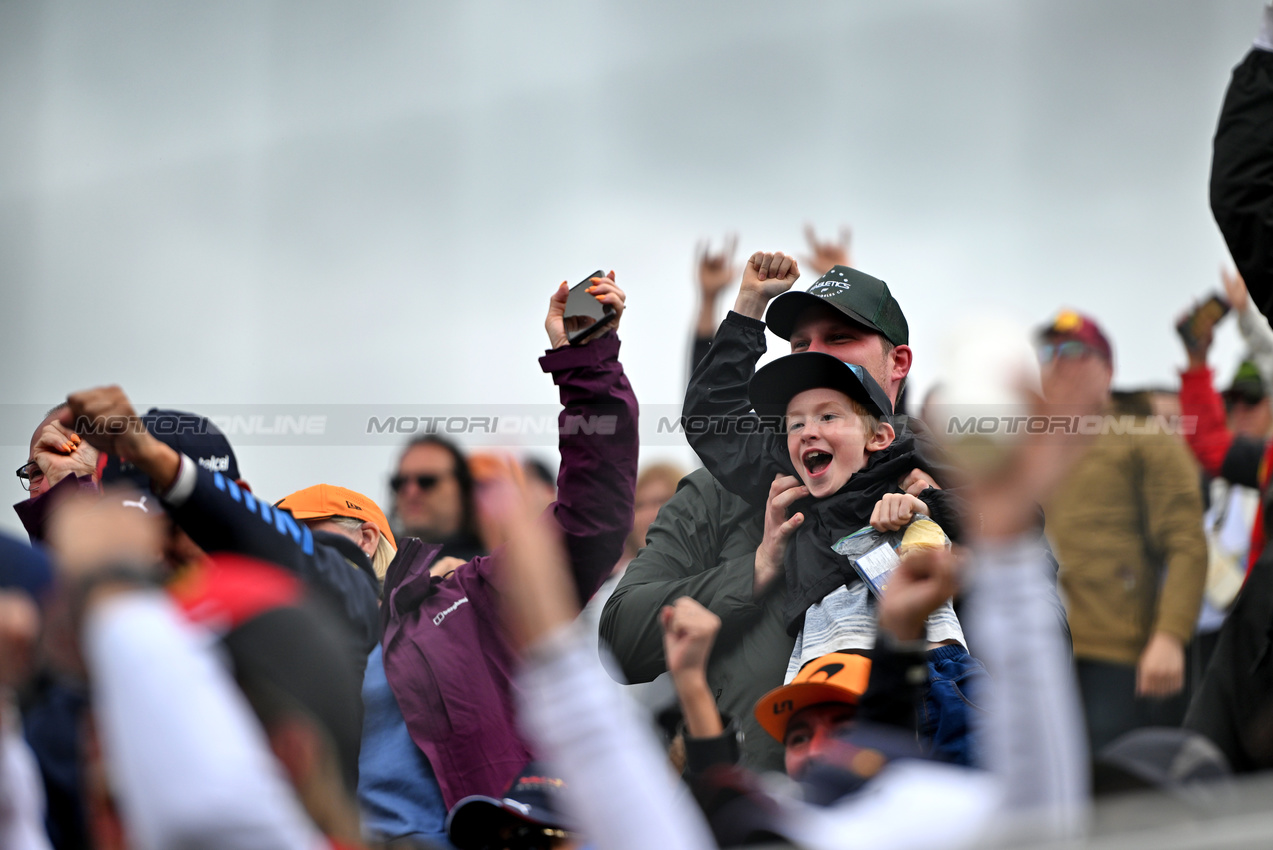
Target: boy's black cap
{"type": "Point", "coordinates": [776, 384]}
{"type": "Point", "coordinates": [864, 299]}
{"type": "Point", "coordinates": [531, 805]}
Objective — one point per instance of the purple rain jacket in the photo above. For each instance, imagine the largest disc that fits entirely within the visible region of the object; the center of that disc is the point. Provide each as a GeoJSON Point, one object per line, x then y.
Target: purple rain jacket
{"type": "Point", "coordinates": [447, 657]}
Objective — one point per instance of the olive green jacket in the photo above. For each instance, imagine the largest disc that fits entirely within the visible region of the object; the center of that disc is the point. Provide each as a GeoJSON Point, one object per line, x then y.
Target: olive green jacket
{"type": "Point", "coordinates": [703, 545]}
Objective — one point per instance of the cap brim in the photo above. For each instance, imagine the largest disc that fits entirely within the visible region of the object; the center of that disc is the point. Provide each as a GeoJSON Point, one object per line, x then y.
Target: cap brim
{"type": "Point", "coordinates": [477, 820]}
{"type": "Point", "coordinates": [776, 384]}
{"type": "Point", "coordinates": [786, 308]}
{"type": "Point", "coordinates": [303, 514]}
{"type": "Point", "coordinates": [775, 709]}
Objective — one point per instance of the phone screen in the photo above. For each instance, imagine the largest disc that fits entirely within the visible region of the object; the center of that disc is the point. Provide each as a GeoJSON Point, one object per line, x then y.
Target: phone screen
{"type": "Point", "coordinates": [1198, 323]}
{"type": "Point", "coordinates": [583, 312]}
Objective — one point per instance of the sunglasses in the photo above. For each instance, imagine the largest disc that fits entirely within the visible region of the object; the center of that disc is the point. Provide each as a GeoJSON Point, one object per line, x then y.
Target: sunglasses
{"type": "Point", "coordinates": [1068, 350]}
{"type": "Point", "coordinates": [424, 482]}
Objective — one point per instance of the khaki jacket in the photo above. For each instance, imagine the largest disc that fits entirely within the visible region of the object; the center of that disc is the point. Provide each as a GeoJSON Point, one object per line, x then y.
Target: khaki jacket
{"type": "Point", "coordinates": [1127, 529]}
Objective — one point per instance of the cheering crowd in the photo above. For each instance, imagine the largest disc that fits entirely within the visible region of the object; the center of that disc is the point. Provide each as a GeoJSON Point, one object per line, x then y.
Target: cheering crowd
{"type": "Point", "coordinates": [859, 622]}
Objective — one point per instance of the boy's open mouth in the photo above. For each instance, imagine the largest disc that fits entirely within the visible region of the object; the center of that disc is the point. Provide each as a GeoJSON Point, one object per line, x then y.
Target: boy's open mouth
{"type": "Point", "coordinates": [816, 461]}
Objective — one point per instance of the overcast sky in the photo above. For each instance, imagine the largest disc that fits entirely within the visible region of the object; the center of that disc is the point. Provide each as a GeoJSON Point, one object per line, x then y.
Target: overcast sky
{"type": "Point", "coordinates": [220, 206]}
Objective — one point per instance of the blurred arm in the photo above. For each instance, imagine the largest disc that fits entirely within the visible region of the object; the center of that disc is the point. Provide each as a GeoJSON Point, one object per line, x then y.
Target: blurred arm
{"type": "Point", "coordinates": [188, 760]}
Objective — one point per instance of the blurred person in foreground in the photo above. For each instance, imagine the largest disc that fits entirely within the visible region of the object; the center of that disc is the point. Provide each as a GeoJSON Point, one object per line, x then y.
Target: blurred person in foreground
{"type": "Point", "coordinates": [194, 754]}
{"type": "Point", "coordinates": [1231, 443]}
{"type": "Point", "coordinates": [1233, 705]}
{"type": "Point", "coordinates": [57, 699]}
{"type": "Point", "coordinates": [433, 497]}
{"type": "Point", "coordinates": [1130, 511]}
{"type": "Point", "coordinates": [529, 815]}
{"type": "Point", "coordinates": [25, 581]}
{"type": "Point", "coordinates": [1035, 780]}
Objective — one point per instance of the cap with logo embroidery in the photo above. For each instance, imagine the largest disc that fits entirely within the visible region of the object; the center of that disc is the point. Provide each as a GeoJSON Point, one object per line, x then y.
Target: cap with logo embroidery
{"type": "Point", "coordinates": [323, 501]}
{"type": "Point", "coordinates": [835, 677]}
{"type": "Point", "coordinates": [775, 384]}
{"type": "Point", "coordinates": [864, 299]}
{"type": "Point", "coordinates": [530, 809]}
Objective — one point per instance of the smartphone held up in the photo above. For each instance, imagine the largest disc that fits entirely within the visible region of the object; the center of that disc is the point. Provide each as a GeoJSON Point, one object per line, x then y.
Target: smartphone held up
{"type": "Point", "coordinates": [1200, 322]}
{"type": "Point", "coordinates": [585, 316]}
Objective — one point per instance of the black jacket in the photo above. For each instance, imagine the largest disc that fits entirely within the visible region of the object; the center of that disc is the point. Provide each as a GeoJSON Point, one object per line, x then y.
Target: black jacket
{"type": "Point", "coordinates": [220, 516]}
{"type": "Point", "coordinates": [1242, 174]}
{"type": "Point", "coordinates": [1233, 705]}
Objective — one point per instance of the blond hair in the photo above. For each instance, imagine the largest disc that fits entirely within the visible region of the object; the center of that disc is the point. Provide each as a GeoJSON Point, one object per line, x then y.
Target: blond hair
{"type": "Point", "coordinates": [385, 551]}
{"type": "Point", "coordinates": [668, 473]}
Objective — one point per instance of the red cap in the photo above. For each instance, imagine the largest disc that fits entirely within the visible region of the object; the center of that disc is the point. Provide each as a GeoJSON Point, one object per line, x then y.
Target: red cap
{"type": "Point", "coordinates": [1071, 325]}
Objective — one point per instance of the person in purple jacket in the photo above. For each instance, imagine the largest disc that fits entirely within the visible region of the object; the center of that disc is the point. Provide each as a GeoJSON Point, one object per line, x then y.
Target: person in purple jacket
{"type": "Point", "coordinates": [446, 656]}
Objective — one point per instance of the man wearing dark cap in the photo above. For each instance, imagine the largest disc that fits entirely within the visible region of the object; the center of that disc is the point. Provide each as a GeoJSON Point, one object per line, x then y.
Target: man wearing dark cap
{"type": "Point", "coordinates": [845, 313]}
{"type": "Point", "coordinates": [1127, 528]}
{"type": "Point", "coordinates": [188, 471]}
{"type": "Point", "coordinates": [704, 542]}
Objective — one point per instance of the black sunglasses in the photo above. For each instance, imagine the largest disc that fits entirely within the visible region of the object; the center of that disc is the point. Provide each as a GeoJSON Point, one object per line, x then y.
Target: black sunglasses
{"type": "Point", "coordinates": [424, 482]}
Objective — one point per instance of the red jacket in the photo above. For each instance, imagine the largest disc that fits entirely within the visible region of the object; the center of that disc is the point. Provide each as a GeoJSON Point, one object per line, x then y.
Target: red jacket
{"type": "Point", "coordinates": [1216, 447]}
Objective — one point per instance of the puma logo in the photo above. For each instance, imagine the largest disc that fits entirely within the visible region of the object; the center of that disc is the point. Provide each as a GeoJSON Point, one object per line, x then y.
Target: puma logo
{"type": "Point", "coordinates": [140, 504]}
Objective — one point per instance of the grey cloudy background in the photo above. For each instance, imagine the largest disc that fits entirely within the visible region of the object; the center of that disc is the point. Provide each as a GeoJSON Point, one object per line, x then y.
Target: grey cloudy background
{"type": "Point", "coordinates": [335, 204]}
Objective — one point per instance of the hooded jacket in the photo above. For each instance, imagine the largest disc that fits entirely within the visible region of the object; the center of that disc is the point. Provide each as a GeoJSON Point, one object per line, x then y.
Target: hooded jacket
{"type": "Point", "coordinates": [447, 658]}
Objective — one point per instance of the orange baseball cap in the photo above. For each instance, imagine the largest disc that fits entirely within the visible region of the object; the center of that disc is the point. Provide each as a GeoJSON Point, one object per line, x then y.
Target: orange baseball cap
{"type": "Point", "coordinates": [325, 500]}
{"type": "Point", "coordinates": [835, 677]}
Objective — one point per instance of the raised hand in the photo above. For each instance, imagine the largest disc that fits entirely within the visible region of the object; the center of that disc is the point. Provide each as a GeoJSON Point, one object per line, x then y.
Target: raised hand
{"type": "Point", "coordinates": [537, 595]}
{"type": "Point", "coordinates": [59, 452]}
{"type": "Point", "coordinates": [716, 271]}
{"type": "Point", "coordinates": [106, 419]}
{"type": "Point", "coordinates": [603, 289]}
{"type": "Point", "coordinates": [765, 276]}
{"type": "Point", "coordinates": [823, 255]}
{"type": "Point", "coordinates": [689, 630]}
{"type": "Point", "coordinates": [1198, 346]}
{"type": "Point", "coordinates": [785, 490]}
{"type": "Point", "coordinates": [1235, 289]}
